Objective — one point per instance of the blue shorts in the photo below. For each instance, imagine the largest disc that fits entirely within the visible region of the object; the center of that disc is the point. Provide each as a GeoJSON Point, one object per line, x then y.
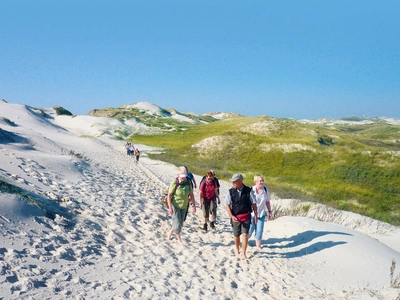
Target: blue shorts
{"type": "Point", "coordinates": [258, 228]}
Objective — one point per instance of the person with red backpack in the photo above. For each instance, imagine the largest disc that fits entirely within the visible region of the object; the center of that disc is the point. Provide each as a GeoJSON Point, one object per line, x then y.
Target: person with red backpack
{"type": "Point", "coordinates": [213, 216]}
{"type": "Point", "coordinates": [208, 195]}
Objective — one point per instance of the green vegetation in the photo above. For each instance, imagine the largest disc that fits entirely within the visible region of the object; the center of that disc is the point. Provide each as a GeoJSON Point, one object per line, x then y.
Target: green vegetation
{"type": "Point", "coordinates": [60, 111]}
{"type": "Point", "coordinates": [79, 155]}
{"type": "Point", "coordinates": [163, 121]}
{"type": "Point", "coordinates": [357, 170]}
{"type": "Point", "coordinates": [394, 280]}
{"type": "Point", "coordinates": [9, 122]}
{"type": "Point", "coordinates": [121, 134]}
{"type": "Point", "coordinates": [5, 187]}
{"type": "Point", "coordinates": [50, 208]}
{"type": "Point", "coordinates": [165, 124]}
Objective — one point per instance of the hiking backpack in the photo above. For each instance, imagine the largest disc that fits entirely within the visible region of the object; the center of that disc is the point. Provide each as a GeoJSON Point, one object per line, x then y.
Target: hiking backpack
{"type": "Point", "coordinates": [164, 198]}
{"type": "Point", "coordinates": [215, 180]}
{"type": "Point", "coordinates": [203, 188]}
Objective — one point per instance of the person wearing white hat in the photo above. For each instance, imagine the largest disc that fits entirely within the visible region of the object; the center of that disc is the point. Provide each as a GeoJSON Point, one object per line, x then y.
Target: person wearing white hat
{"type": "Point", "coordinates": [179, 195]}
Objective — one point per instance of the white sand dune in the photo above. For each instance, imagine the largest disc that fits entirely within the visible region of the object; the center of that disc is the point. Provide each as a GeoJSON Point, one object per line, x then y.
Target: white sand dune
{"type": "Point", "coordinates": [99, 232]}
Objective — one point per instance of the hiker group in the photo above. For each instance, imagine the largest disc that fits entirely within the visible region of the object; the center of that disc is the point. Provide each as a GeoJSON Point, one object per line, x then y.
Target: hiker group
{"type": "Point", "coordinates": [248, 207]}
{"type": "Point", "coordinates": [132, 151]}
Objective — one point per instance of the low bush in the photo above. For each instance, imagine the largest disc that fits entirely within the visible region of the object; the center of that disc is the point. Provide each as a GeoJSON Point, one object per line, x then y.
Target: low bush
{"type": "Point", "coordinates": [349, 174]}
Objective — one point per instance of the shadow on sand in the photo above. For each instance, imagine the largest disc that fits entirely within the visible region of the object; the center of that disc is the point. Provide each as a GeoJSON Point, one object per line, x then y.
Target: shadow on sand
{"type": "Point", "coordinates": [299, 239]}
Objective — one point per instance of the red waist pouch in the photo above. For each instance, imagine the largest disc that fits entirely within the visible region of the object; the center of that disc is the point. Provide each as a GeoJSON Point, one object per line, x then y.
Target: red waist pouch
{"type": "Point", "coordinates": [243, 217]}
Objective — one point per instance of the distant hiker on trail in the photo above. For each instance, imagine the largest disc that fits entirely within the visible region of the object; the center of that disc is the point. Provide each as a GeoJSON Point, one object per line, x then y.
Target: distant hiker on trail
{"type": "Point", "coordinates": [239, 202]}
{"type": "Point", "coordinates": [208, 195]}
{"type": "Point", "coordinates": [213, 217]}
{"type": "Point", "coordinates": [263, 198]}
{"type": "Point", "coordinates": [192, 181]}
{"type": "Point", "coordinates": [131, 149]}
{"type": "Point", "coordinates": [179, 195]}
{"type": "Point", "coordinates": [137, 155]}
{"type": "Point", "coordinates": [127, 145]}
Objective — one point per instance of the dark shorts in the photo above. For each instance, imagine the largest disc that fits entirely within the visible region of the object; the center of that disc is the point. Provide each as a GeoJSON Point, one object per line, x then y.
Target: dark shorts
{"type": "Point", "coordinates": [239, 228]}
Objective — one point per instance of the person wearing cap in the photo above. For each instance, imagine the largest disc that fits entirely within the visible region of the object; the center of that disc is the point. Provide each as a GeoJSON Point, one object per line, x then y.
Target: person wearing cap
{"type": "Point", "coordinates": [239, 203]}
{"type": "Point", "coordinates": [263, 198]}
{"type": "Point", "coordinates": [179, 195]}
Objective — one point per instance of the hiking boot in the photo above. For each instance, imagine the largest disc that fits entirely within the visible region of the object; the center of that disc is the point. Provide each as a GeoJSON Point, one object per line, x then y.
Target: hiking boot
{"type": "Point", "coordinates": [212, 225]}
{"type": "Point", "coordinates": [205, 227]}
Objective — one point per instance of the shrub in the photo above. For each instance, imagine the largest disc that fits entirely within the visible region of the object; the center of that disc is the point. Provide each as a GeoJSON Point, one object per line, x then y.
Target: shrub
{"type": "Point", "coordinates": [60, 111]}
{"type": "Point", "coordinates": [351, 174]}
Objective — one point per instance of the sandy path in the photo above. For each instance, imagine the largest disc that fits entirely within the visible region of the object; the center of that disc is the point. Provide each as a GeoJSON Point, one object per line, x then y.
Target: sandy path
{"type": "Point", "coordinates": [112, 244]}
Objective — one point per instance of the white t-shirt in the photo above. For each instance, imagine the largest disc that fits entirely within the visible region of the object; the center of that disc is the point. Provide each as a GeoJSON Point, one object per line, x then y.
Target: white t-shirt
{"type": "Point", "coordinates": [261, 200]}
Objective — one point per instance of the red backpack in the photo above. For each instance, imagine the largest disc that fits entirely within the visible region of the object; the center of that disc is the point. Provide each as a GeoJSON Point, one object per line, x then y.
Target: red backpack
{"type": "Point", "coordinates": [208, 190]}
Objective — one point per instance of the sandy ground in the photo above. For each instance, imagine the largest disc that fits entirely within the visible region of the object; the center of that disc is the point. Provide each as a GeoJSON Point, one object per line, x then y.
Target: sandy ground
{"type": "Point", "coordinates": [96, 230]}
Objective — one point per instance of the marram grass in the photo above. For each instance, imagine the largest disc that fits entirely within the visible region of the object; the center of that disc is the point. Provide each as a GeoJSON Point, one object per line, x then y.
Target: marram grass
{"type": "Point", "coordinates": [358, 171]}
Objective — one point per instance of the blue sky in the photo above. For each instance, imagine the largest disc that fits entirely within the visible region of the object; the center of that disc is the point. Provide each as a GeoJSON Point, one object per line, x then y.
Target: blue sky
{"type": "Point", "coordinates": [287, 59]}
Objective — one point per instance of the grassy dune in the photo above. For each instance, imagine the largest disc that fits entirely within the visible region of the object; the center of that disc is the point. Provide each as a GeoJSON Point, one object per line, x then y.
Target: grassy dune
{"type": "Point", "coordinates": [357, 170]}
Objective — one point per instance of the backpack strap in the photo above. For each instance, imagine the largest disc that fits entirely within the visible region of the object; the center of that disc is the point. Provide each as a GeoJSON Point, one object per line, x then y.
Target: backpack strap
{"type": "Point", "coordinates": [202, 187]}
{"type": "Point", "coordinates": [203, 179]}
{"type": "Point", "coordinates": [216, 182]}
{"type": "Point", "coordinates": [188, 182]}
{"type": "Point", "coordinates": [231, 193]}
{"type": "Point", "coordinates": [176, 184]}
{"type": "Point", "coordinates": [204, 182]}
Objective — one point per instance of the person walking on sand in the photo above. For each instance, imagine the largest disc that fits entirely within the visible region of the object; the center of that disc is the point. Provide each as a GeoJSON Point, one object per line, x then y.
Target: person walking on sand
{"type": "Point", "coordinates": [179, 195]}
{"type": "Point", "coordinates": [127, 145]}
{"type": "Point", "coordinates": [208, 195]}
{"type": "Point", "coordinates": [192, 181]}
{"type": "Point", "coordinates": [131, 149]}
{"type": "Point", "coordinates": [213, 217]}
{"type": "Point", "coordinates": [137, 155]}
{"type": "Point", "coordinates": [261, 194]}
{"type": "Point", "coordinates": [190, 176]}
{"type": "Point", "coordinates": [239, 202]}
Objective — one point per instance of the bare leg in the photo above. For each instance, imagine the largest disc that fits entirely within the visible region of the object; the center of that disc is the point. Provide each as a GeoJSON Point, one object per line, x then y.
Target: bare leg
{"type": "Point", "coordinates": [245, 239]}
{"type": "Point", "coordinates": [178, 235]}
{"type": "Point", "coordinates": [169, 233]}
{"type": "Point", "coordinates": [236, 239]}
{"type": "Point", "coordinates": [258, 244]}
